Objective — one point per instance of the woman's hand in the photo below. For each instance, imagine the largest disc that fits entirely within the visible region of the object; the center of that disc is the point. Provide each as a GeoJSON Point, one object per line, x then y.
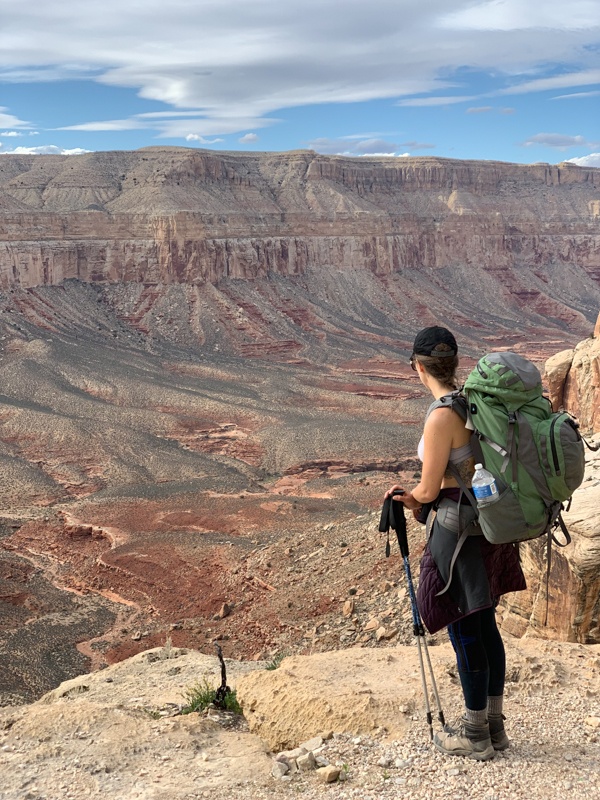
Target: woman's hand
{"type": "Point", "coordinates": [395, 488]}
{"type": "Point", "coordinates": [406, 497]}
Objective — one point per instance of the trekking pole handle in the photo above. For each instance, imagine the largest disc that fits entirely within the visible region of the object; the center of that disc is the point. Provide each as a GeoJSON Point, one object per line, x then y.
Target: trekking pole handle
{"type": "Point", "coordinates": [399, 522]}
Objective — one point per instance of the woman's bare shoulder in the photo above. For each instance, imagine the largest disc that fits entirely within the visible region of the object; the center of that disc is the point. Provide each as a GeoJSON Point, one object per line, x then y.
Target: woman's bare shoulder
{"type": "Point", "coordinates": [444, 420]}
{"type": "Point", "coordinates": [440, 419]}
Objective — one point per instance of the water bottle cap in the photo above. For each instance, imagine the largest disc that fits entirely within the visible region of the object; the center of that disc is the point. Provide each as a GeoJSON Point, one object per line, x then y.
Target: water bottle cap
{"type": "Point", "coordinates": [478, 466]}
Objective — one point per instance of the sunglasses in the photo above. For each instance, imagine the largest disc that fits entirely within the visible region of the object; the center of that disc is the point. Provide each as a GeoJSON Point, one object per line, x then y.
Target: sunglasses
{"type": "Point", "coordinates": [412, 361]}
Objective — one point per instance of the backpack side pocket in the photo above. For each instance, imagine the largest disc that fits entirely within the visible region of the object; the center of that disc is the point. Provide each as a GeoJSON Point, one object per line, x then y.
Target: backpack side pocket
{"type": "Point", "coordinates": [503, 522]}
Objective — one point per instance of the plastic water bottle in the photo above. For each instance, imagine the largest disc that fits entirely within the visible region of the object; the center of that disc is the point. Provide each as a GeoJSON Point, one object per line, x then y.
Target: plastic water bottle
{"type": "Point", "coordinates": [484, 486]}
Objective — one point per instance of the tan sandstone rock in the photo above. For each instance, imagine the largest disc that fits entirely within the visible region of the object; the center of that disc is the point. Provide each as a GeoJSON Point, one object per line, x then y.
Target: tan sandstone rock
{"type": "Point", "coordinates": [568, 607]}
{"type": "Point", "coordinates": [556, 371]}
{"type": "Point", "coordinates": [354, 691]}
{"type": "Point", "coordinates": [582, 385]}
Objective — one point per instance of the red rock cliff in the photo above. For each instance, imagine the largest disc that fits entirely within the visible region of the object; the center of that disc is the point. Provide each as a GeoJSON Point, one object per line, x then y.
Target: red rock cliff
{"type": "Point", "coordinates": [180, 215]}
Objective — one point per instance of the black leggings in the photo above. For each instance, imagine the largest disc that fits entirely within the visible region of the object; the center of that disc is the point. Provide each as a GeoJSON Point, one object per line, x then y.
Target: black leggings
{"type": "Point", "coordinates": [480, 656]}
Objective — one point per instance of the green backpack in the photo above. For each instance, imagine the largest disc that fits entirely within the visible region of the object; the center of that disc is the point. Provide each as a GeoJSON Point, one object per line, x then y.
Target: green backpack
{"type": "Point", "coordinates": [535, 454]}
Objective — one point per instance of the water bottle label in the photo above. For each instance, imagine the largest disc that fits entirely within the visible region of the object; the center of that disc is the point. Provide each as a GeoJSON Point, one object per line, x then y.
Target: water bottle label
{"type": "Point", "coordinates": [481, 492]}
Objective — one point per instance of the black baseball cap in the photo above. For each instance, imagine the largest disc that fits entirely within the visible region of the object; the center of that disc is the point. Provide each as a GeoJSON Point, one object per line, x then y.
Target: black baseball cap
{"type": "Point", "coordinates": [427, 340]}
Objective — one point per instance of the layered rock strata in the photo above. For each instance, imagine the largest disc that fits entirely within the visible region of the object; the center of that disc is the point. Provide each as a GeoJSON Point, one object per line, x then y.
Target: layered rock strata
{"type": "Point", "coordinates": [164, 215]}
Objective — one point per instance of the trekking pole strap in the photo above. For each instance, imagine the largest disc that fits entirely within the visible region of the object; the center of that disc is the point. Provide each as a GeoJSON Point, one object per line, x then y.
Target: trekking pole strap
{"type": "Point", "coordinates": [392, 516]}
{"type": "Point", "coordinates": [593, 447]}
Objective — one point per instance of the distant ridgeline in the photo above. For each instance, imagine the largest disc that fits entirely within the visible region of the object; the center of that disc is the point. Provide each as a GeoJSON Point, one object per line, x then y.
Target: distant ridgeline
{"type": "Point", "coordinates": [165, 215]}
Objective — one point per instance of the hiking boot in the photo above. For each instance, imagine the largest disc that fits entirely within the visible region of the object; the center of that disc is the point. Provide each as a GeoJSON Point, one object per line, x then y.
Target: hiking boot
{"type": "Point", "coordinates": [498, 736]}
{"type": "Point", "coordinates": [470, 741]}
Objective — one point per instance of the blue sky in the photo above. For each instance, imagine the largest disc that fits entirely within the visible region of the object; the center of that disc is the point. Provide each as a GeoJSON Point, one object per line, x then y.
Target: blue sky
{"type": "Point", "coordinates": [508, 80]}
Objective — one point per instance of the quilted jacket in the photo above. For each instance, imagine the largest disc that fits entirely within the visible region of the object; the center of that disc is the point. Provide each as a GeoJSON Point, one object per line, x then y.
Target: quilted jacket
{"type": "Point", "coordinates": [482, 573]}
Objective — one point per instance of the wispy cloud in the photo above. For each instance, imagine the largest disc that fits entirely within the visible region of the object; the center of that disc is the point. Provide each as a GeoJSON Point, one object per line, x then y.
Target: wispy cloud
{"type": "Point", "coordinates": [480, 110]}
{"type": "Point", "coordinates": [576, 95]}
{"type": "Point", "coordinates": [178, 126]}
{"type": "Point", "coordinates": [248, 138]}
{"type": "Point", "coordinates": [515, 15]}
{"type": "Point", "coordinates": [107, 125]}
{"type": "Point", "coordinates": [557, 140]}
{"type": "Point", "coordinates": [414, 145]}
{"type": "Point", "coordinates": [346, 146]}
{"type": "Point", "coordinates": [238, 64]}
{"type": "Point", "coordinates": [423, 102]}
{"type": "Point", "coordinates": [564, 81]}
{"type": "Point", "coordinates": [10, 121]}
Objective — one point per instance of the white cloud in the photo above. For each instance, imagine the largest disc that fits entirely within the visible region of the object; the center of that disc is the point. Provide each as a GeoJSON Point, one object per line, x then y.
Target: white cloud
{"type": "Point", "coordinates": [347, 146]}
{"type": "Point", "coordinates": [237, 63]}
{"type": "Point", "coordinates": [558, 140]}
{"type": "Point", "coordinates": [414, 145]}
{"type": "Point", "coordinates": [248, 138]}
{"type": "Point", "coordinates": [593, 160]}
{"type": "Point", "coordinates": [381, 155]}
{"type": "Point", "coordinates": [175, 126]}
{"type": "Point", "coordinates": [479, 109]}
{"type": "Point", "coordinates": [576, 95]}
{"type": "Point", "coordinates": [373, 147]}
{"type": "Point", "coordinates": [563, 81]}
{"type": "Point", "coordinates": [107, 125]}
{"type": "Point", "coordinates": [424, 102]}
{"type": "Point", "coordinates": [44, 150]}
{"type": "Point", "coordinates": [365, 145]}
{"type": "Point", "coordinates": [194, 137]}
{"type": "Point", "coordinates": [511, 15]}
{"type": "Point", "coordinates": [12, 133]}
{"type": "Point", "coordinates": [10, 121]}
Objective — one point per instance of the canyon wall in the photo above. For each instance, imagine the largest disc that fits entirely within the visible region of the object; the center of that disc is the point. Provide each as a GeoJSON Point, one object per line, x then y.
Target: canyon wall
{"type": "Point", "coordinates": [174, 215]}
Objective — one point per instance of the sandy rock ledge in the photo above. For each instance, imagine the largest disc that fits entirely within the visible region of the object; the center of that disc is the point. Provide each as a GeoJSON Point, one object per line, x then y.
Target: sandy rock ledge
{"type": "Point", "coordinates": [118, 733]}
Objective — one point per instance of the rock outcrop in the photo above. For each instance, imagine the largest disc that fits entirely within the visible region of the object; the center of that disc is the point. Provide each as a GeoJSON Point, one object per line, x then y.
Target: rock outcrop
{"type": "Point", "coordinates": [568, 608]}
{"type": "Point", "coordinates": [574, 381]}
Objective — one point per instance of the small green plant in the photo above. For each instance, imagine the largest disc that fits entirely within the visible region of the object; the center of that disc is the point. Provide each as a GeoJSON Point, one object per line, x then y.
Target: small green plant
{"type": "Point", "coordinates": [201, 695]}
{"type": "Point", "coordinates": [231, 703]}
{"type": "Point", "coordinates": [275, 662]}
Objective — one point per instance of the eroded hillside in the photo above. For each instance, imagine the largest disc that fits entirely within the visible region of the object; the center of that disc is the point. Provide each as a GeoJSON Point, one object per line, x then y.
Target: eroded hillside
{"type": "Point", "coordinates": [205, 385]}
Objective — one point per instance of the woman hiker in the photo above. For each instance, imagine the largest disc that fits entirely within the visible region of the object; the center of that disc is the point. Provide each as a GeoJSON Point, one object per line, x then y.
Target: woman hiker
{"type": "Point", "coordinates": [462, 597]}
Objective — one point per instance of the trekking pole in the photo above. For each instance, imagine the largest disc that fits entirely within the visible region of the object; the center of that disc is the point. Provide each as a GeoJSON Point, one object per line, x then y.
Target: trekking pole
{"type": "Point", "coordinates": [393, 516]}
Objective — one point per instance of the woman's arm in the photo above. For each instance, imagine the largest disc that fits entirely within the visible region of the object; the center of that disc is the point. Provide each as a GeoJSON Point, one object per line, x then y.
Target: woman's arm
{"type": "Point", "coordinates": [437, 443]}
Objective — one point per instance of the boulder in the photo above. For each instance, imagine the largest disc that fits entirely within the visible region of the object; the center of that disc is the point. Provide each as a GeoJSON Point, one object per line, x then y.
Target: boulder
{"type": "Point", "coordinates": [356, 691]}
{"type": "Point", "coordinates": [556, 371]}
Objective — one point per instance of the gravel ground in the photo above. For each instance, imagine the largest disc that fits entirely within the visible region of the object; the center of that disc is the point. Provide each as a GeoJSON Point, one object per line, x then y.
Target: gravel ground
{"type": "Point", "coordinates": [554, 755]}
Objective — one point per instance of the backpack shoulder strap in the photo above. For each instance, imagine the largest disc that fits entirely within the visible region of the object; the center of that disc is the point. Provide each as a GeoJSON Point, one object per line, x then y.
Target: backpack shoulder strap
{"type": "Point", "coordinates": [454, 400]}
